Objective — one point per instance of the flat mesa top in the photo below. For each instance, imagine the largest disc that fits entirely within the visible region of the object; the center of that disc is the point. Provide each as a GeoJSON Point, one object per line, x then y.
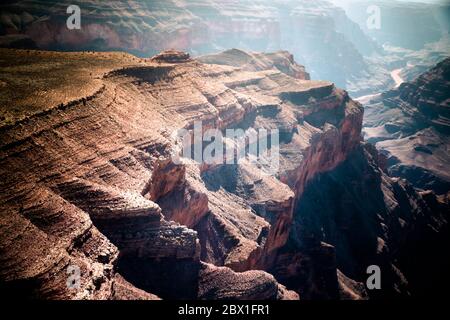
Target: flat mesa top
{"type": "Point", "coordinates": [32, 81]}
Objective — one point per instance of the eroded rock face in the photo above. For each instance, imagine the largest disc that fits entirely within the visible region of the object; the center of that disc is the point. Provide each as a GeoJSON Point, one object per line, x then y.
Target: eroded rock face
{"type": "Point", "coordinates": [179, 193]}
{"type": "Point", "coordinates": [224, 284]}
{"type": "Point", "coordinates": [95, 182]}
{"type": "Point", "coordinates": [372, 220]}
{"type": "Point", "coordinates": [40, 243]}
{"type": "Point", "coordinates": [411, 125]}
{"type": "Point", "coordinates": [96, 164]}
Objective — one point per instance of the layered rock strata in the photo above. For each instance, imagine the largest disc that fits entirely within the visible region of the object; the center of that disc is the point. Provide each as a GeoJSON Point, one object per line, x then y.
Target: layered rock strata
{"type": "Point", "coordinates": [97, 164]}
{"type": "Point", "coordinates": [319, 34]}
{"type": "Point", "coordinates": [95, 182]}
{"type": "Point", "coordinates": [411, 126]}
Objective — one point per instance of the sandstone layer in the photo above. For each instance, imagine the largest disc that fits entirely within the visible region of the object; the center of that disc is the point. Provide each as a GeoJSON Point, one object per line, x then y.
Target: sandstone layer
{"type": "Point", "coordinates": [92, 183]}
{"type": "Point", "coordinates": [91, 179]}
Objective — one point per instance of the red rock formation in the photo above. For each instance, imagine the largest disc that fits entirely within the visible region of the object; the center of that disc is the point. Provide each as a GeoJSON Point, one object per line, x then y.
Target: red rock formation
{"type": "Point", "coordinates": [95, 182]}
{"type": "Point", "coordinates": [223, 283]}
{"type": "Point", "coordinates": [182, 198]}
{"type": "Point", "coordinates": [91, 161]}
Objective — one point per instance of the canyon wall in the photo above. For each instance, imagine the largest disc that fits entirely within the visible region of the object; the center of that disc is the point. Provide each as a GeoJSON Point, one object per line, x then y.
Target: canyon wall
{"type": "Point", "coordinates": [93, 184]}
{"type": "Point", "coordinates": [411, 126]}
{"type": "Point", "coordinates": [319, 34]}
{"type": "Point", "coordinates": [82, 178]}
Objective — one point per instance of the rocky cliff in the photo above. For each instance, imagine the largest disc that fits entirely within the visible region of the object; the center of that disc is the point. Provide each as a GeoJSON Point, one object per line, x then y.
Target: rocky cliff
{"type": "Point", "coordinates": [90, 183]}
{"type": "Point", "coordinates": [90, 174]}
{"type": "Point", "coordinates": [411, 125]}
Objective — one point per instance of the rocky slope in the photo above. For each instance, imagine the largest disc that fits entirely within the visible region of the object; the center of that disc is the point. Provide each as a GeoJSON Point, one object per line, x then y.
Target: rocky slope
{"type": "Point", "coordinates": [320, 35]}
{"type": "Point", "coordinates": [411, 125]}
{"type": "Point", "coordinates": [84, 179]}
{"type": "Point", "coordinates": [93, 183]}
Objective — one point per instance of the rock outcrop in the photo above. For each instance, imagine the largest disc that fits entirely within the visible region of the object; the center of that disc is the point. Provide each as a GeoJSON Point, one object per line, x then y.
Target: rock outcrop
{"type": "Point", "coordinates": [105, 171]}
{"type": "Point", "coordinates": [94, 185]}
{"type": "Point", "coordinates": [411, 125]}
{"type": "Point", "coordinates": [282, 60]}
{"type": "Point", "coordinates": [172, 56]}
{"type": "Point", "coordinates": [372, 220]}
{"type": "Point", "coordinates": [223, 283]}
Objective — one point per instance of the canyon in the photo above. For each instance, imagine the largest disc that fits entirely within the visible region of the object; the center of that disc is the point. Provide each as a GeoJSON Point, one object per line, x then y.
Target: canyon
{"type": "Point", "coordinates": [410, 125]}
{"type": "Point", "coordinates": [318, 33]}
{"type": "Point", "coordinates": [88, 181]}
{"type": "Point", "coordinates": [331, 38]}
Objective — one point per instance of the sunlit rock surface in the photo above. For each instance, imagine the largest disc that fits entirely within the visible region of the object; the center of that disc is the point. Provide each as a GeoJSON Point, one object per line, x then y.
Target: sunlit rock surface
{"type": "Point", "coordinates": [88, 180]}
